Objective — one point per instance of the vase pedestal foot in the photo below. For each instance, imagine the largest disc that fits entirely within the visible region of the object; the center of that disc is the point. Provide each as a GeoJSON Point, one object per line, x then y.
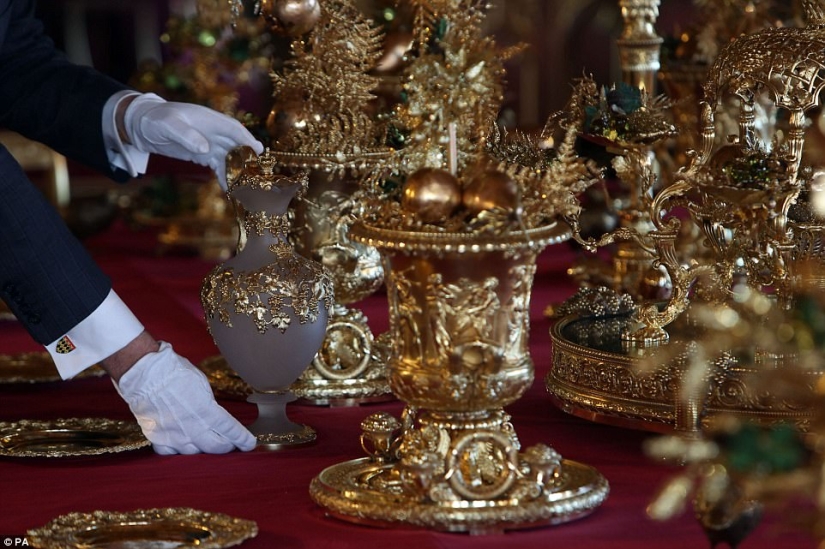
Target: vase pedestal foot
{"type": "Point", "coordinates": [273, 428]}
{"type": "Point", "coordinates": [367, 491]}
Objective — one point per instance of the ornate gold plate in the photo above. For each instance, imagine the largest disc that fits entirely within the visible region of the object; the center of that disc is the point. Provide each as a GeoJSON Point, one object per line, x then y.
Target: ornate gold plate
{"type": "Point", "coordinates": [168, 528]}
{"type": "Point", "coordinates": [69, 437]}
{"type": "Point", "coordinates": [36, 368]}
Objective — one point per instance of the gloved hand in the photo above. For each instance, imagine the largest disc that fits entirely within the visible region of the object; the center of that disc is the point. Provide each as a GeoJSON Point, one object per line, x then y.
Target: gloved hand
{"type": "Point", "coordinates": [185, 131]}
{"type": "Point", "coordinates": [175, 407]}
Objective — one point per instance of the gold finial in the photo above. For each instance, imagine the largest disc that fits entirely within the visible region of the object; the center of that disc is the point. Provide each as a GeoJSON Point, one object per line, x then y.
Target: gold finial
{"type": "Point", "coordinates": [266, 163]}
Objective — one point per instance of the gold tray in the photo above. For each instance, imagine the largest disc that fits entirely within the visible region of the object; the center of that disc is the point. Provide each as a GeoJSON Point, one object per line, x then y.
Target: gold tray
{"type": "Point", "coordinates": [69, 437]}
{"type": "Point", "coordinates": [36, 368]}
{"type": "Point", "coordinates": [175, 527]}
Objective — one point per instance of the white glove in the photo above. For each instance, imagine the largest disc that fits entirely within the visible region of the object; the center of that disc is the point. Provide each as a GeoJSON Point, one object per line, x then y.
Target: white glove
{"type": "Point", "coordinates": [185, 131]}
{"type": "Point", "coordinates": [175, 407]}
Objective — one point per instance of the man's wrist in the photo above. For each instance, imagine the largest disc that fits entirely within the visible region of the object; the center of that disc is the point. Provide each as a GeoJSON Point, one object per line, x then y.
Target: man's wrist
{"type": "Point", "coordinates": [120, 362]}
{"type": "Point", "coordinates": [120, 117]}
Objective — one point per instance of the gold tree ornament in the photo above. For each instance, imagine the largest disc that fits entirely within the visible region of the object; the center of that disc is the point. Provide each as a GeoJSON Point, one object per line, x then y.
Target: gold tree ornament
{"type": "Point", "coordinates": [452, 95]}
{"type": "Point", "coordinates": [456, 76]}
{"type": "Point", "coordinates": [291, 17]}
{"type": "Point", "coordinates": [326, 87]}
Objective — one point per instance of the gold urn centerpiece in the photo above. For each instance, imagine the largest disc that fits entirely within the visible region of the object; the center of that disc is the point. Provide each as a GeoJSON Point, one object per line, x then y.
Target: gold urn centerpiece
{"type": "Point", "coordinates": [459, 224]}
{"type": "Point", "coordinates": [267, 307]}
{"type": "Point", "coordinates": [459, 322]}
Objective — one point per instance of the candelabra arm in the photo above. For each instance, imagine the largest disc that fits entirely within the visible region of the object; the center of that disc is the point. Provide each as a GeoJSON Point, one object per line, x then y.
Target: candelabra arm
{"type": "Point", "coordinates": [622, 234]}
{"type": "Point", "coordinates": [650, 319]}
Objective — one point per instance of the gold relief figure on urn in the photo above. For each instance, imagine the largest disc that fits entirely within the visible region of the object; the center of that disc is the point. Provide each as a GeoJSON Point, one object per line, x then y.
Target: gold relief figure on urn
{"type": "Point", "coordinates": [267, 307]}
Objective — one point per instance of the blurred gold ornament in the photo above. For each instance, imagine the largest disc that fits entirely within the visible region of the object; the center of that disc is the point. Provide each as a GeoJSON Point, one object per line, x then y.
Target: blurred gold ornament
{"type": "Point", "coordinates": [456, 76]}
{"type": "Point", "coordinates": [290, 114]}
{"type": "Point", "coordinates": [763, 246]}
{"type": "Point", "coordinates": [327, 77]}
{"type": "Point", "coordinates": [492, 190]}
{"type": "Point", "coordinates": [291, 17]}
{"type": "Point", "coordinates": [431, 195]}
{"type": "Point", "coordinates": [396, 47]}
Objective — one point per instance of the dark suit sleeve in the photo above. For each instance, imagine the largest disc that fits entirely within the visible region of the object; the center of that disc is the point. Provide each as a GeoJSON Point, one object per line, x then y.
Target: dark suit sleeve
{"type": "Point", "coordinates": [47, 278]}
{"type": "Point", "coordinates": [45, 97]}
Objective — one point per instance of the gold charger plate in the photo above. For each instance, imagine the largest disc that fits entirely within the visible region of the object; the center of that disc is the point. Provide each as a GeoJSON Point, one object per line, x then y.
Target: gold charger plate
{"type": "Point", "coordinates": [36, 368]}
{"type": "Point", "coordinates": [167, 528]}
{"type": "Point", "coordinates": [69, 437]}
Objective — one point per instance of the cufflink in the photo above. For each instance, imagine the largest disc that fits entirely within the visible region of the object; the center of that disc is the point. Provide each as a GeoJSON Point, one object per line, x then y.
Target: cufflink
{"type": "Point", "coordinates": [64, 345]}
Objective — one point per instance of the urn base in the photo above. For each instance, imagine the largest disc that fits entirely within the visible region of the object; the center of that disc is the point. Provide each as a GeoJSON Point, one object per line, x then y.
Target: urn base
{"type": "Point", "coordinates": [350, 368]}
{"type": "Point", "coordinates": [365, 491]}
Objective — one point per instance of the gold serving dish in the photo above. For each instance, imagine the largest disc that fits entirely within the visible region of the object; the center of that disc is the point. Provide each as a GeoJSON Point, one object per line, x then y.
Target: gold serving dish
{"type": "Point", "coordinates": [69, 437]}
{"type": "Point", "coordinates": [167, 528]}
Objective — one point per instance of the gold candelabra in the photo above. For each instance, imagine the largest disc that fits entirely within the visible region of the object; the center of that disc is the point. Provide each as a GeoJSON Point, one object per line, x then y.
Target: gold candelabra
{"type": "Point", "coordinates": [739, 196]}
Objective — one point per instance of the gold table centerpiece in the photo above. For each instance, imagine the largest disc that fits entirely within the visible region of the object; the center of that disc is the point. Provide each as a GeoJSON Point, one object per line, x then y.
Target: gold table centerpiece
{"type": "Point", "coordinates": [739, 196]}
{"type": "Point", "coordinates": [459, 215]}
{"type": "Point", "coordinates": [459, 308]}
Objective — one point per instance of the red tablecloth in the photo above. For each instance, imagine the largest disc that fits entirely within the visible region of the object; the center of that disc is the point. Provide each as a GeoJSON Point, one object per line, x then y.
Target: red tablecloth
{"type": "Point", "coordinates": [271, 488]}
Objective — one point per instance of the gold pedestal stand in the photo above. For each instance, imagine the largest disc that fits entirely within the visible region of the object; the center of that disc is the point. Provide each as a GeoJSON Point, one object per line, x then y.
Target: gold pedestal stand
{"type": "Point", "coordinates": [350, 367]}
{"type": "Point", "coordinates": [507, 490]}
{"type": "Point", "coordinates": [459, 317]}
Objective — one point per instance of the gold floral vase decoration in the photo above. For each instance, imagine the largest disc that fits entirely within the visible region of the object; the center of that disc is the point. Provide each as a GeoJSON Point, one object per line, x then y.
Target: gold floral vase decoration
{"type": "Point", "coordinates": [267, 307]}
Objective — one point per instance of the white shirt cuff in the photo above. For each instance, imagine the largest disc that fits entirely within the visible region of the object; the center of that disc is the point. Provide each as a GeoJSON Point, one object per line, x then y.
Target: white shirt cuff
{"type": "Point", "coordinates": [107, 330]}
{"type": "Point", "coordinates": [121, 155]}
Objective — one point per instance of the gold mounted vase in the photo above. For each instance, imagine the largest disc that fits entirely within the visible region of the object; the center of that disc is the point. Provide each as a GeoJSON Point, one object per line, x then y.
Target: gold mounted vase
{"type": "Point", "coordinates": [267, 307]}
{"type": "Point", "coordinates": [459, 322]}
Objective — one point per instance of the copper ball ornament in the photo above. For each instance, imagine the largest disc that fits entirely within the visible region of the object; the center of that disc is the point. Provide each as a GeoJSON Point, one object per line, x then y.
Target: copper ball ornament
{"type": "Point", "coordinates": [288, 116]}
{"type": "Point", "coordinates": [431, 195]}
{"type": "Point", "coordinates": [291, 17]}
{"type": "Point", "coordinates": [491, 190]}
